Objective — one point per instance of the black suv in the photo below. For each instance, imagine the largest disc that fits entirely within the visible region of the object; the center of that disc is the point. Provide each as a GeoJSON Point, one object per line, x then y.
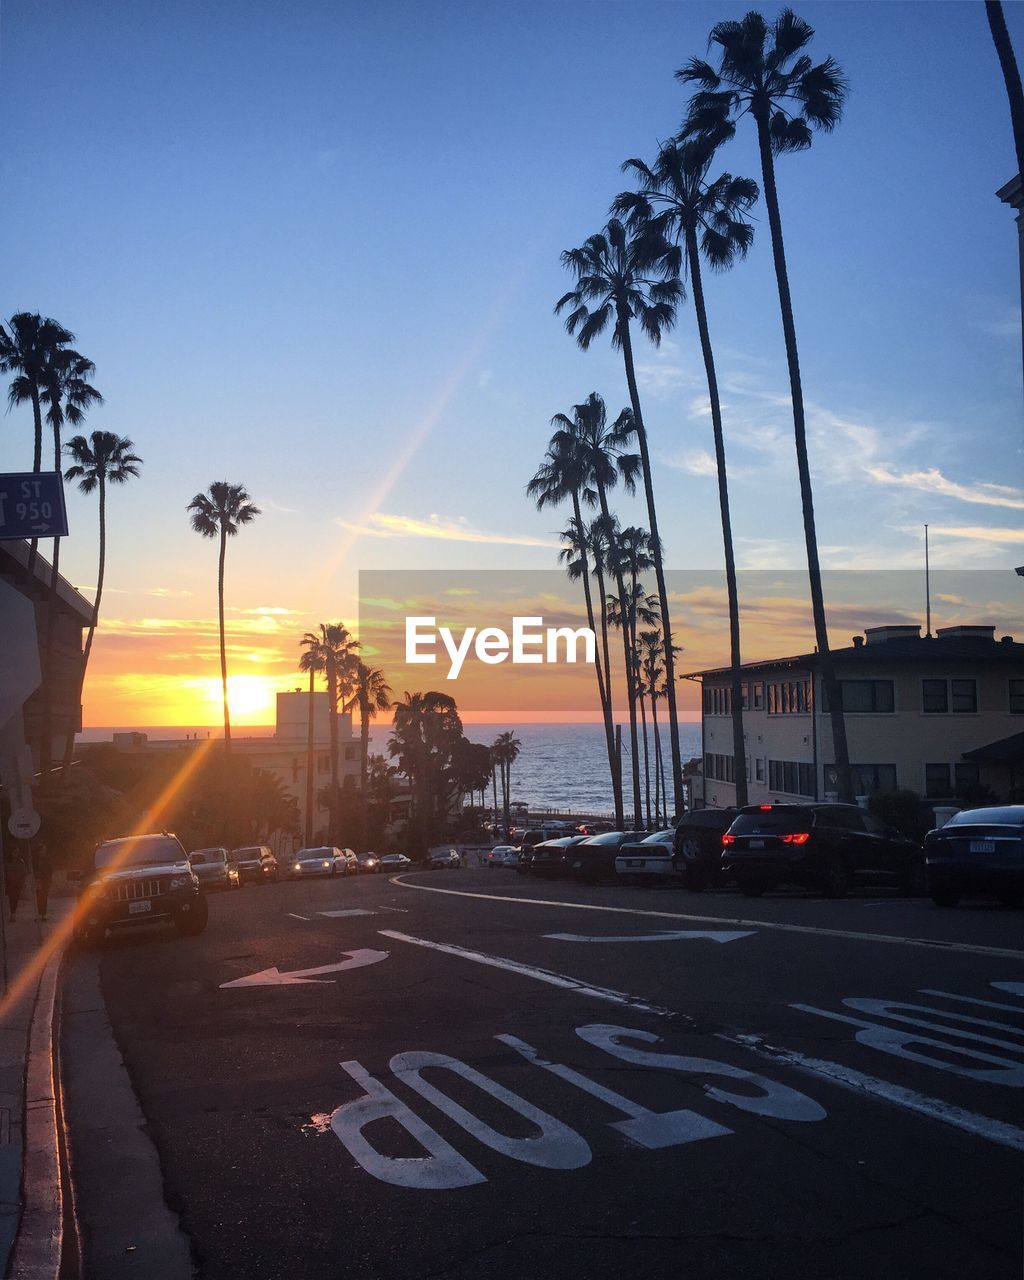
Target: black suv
{"type": "Point", "coordinates": [697, 846]}
{"type": "Point", "coordinates": [593, 859]}
{"type": "Point", "coordinates": [826, 847]}
{"type": "Point", "coordinates": [139, 880]}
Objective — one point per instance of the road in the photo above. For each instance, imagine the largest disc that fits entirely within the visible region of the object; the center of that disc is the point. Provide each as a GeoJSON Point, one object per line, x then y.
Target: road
{"type": "Point", "coordinates": [518, 1079]}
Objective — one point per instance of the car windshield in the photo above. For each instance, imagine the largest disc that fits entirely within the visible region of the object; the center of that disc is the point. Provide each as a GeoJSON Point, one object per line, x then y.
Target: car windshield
{"type": "Point", "coordinates": [1008, 815]}
{"type": "Point", "coordinates": [202, 856]}
{"type": "Point", "coordinates": [767, 821]}
{"type": "Point", "coordinates": [659, 837]}
{"type": "Point", "coordinates": [247, 855]}
{"type": "Point", "coordinates": [310, 855]}
{"type": "Point", "coordinates": [138, 851]}
{"type": "Point", "coordinates": [609, 837]}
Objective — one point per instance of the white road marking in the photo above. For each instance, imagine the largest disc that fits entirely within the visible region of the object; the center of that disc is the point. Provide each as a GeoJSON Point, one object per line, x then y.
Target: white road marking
{"type": "Point", "coordinates": [530, 971]}
{"type": "Point", "coordinates": [851, 934]}
{"type": "Point", "coordinates": [994, 1131]}
{"type": "Point", "coordinates": [352, 911]}
{"type": "Point", "coordinates": [275, 978]}
{"type": "Point", "coordinates": [403, 910]}
{"type": "Point", "coordinates": [680, 935]}
{"type": "Point", "coordinates": [986, 1004]}
{"type": "Point", "coordinates": [1014, 988]}
{"type": "Point", "coordinates": [294, 916]}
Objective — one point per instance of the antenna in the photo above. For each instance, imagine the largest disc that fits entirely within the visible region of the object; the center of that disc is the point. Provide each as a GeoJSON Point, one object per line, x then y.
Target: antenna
{"type": "Point", "coordinates": [927, 589]}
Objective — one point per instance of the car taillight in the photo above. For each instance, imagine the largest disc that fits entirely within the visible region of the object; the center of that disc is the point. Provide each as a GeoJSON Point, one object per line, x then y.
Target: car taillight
{"type": "Point", "coordinates": [765, 808]}
{"type": "Point", "coordinates": [796, 837]}
{"type": "Point", "coordinates": [728, 839]}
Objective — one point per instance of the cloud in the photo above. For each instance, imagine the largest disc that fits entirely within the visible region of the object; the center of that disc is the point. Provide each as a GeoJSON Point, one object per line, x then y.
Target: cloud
{"type": "Point", "coordinates": [383, 525]}
{"type": "Point", "coordinates": [933, 481]}
{"type": "Point", "coordinates": [979, 533]}
{"type": "Point", "coordinates": [168, 593]}
{"type": "Point", "coordinates": [695, 462]}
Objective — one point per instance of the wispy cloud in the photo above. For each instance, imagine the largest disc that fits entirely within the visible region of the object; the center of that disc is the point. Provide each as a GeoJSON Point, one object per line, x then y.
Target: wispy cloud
{"type": "Point", "coordinates": [383, 525]}
{"type": "Point", "coordinates": [979, 533]}
{"type": "Point", "coordinates": [933, 481]}
{"type": "Point", "coordinates": [168, 593]}
{"type": "Point", "coordinates": [695, 462]}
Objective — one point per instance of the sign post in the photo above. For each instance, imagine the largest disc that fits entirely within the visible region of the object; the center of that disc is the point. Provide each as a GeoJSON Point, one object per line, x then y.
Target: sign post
{"type": "Point", "coordinates": [32, 505]}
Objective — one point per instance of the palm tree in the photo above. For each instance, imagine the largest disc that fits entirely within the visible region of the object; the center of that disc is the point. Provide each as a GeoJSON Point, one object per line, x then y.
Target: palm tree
{"type": "Point", "coordinates": [331, 652]}
{"type": "Point", "coordinates": [620, 278]}
{"type": "Point", "coordinates": [1011, 76]}
{"type": "Point", "coordinates": [604, 460]}
{"type": "Point", "coordinates": [708, 217]}
{"type": "Point", "coordinates": [372, 693]}
{"type": "Point", "coordinates": [561, 476]}
{"type": "Point", "coordinates": [650, 652]}
{"type": "Point", "coordinates": [506, 751]}
{"type": "Point", "coordinates": [764, 74]}
{"type": "Point", "coordinates": [221, 512]}
{"type": "Point", "coordinates": [27, 348]}
{"type": "Point", "coordinates": [108, 459]}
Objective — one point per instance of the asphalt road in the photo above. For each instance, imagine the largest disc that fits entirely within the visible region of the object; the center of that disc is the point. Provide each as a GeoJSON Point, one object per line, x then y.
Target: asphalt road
{"type": "Point", "coordinates": [507, 1082]}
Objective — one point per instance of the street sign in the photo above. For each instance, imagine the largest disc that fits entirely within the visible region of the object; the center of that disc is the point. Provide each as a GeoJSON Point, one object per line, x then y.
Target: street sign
{"type": "Point", "coordinates": [32, 505]}
{"type": "Point", "coordinates": [23, 823]}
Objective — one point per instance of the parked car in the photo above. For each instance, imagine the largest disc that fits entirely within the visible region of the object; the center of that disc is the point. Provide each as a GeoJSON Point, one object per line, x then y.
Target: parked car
{"type": "Point", "coordinates": [503, 855]}
{"type": "Point", "coordinates": [326, 860]}
{"type": "Point", "coordinates": [697, 846]}
{"type": "Point", "coordinates": [212, 869]}
{"type": "Point", "coordinates": [444, 860]}
{"type": "Point", "coordinates": [367, 862]}
{"type": "Point", "coordinates": [593, 858]}
{"type": "Point", "coordinates": [255, 864]}
{"type": "Point", "coordinates": [647, 859]}
{"type": "Point", "coordinates": [826, 847]}
{"type": "Point", "coordinates": [550, 859]}
{"type": "Point", "coordinates": [139, 880]}
{"type": "Point", "coordinates": [977, 851]}
{"type": "Point", "coordinates": [394, 862]}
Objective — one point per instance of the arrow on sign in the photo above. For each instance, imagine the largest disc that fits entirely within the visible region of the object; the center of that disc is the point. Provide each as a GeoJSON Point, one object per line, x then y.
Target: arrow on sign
{"type": "Point", "coordinates": [275, 978]}
{"type": "Point", "coordinates": [682, 935]}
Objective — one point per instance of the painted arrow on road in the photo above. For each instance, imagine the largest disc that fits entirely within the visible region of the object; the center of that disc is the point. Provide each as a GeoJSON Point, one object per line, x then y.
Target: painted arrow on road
{"type": "Point", "coordinates": [680, 935]}
{"type": "Point", "coordinates": [275, 978]}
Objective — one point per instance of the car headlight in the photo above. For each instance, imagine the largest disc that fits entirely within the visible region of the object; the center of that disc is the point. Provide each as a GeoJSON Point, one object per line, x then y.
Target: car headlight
{"type": "Point", "coordinates": [326, 866]}
{"type": "Point", "coordinates": [297, 867]}
{"type": "Point", "coordinates": [182, 882]}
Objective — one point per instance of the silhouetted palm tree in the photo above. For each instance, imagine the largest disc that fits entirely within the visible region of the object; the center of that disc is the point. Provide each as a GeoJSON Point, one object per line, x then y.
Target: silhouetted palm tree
{"type": "Point", "coordinates": [506, 751]}
{"type": "Point", "coordinates": [220, 513]}
{"type": "Point", "coordinates": [676, 198]}
{"type": "Point", "coordinates": [561, 476]}
{"type": "Point", "coordinates": [604, 459]}
{"type": "Point", "coordinates": [331, 652]}
{"type": "Point", "coordinates": [763, 73]}
{"type": "Point", "coordinates": [620, 278]}
{"type": "Point", "coordinates": [371, 694]}
{"type": "Point", "coordinates": [653, 671]}
{"type": "Point", "coordinates": [1011, 76]}
{"type": "Point", "coordinates": [103, 459]}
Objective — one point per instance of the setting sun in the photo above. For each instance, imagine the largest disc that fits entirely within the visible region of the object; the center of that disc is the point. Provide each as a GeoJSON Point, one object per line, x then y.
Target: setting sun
{"type": "Point", "coordinates": [251, 699]}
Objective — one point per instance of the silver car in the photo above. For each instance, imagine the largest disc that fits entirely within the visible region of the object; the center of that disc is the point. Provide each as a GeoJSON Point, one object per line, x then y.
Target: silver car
{"type": "Point", "coordinates": [212, 870]}
{"type": "Point", "coordinates": [327, 860]}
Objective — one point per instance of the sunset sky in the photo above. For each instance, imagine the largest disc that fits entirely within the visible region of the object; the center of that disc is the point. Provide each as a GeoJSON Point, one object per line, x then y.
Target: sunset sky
{"type": "Point", "coordinates": [315, 251]}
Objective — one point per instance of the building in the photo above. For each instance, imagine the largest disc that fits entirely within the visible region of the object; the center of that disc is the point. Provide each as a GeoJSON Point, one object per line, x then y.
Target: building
{"type": "Point", "coordinates": [939, 715]}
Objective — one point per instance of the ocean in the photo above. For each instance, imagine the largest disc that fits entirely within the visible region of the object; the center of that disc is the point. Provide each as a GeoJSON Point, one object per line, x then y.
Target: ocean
{"type": "Point", "coordinates": [560, 766]}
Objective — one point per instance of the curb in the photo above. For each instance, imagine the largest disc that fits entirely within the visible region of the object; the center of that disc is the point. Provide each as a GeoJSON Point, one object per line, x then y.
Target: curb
{"type": "Point", "coordinates": [39, 1246]}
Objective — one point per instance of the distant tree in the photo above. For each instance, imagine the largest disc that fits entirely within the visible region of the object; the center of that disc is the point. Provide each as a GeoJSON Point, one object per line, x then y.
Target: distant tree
{"type": "Point", "coordinates": [506, 751]}
{"type": "Point", "coordinates": [764, 73]}
{"type": "Point", "coordinates": [331, 652]}
{"type": "Point", "coordinates": [621, 278]}
{"type": "Point", "coordinates": [220, 513]}
{"type": "Point", "coordinates": [425, 738]}
{"type": "Point", "coordinates": [102, 460]}
{"type": "Point", "coordinates": [371, 694]}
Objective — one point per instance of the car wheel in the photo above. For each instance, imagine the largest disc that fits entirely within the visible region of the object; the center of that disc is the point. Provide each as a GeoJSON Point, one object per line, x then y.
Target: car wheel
{"type": "Point", "coordinates": [945, 897]}
{"type": "Point", "coordinates": [835, 879]}
{"type": "Point", "coordinates": [914, 882]}
{"type": "Point", "coordinates": [194, 920]}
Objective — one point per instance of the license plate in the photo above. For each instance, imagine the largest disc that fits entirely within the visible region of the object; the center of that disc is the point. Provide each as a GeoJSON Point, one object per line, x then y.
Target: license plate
{"type": "Point", "coordinates": [983, 846]}
{"type": "Point", "coordinates": [756, 844]}
{"type": "Point", "coordinates": [139, 908]}
{"type": "Point", "coordinates": [635, 862]}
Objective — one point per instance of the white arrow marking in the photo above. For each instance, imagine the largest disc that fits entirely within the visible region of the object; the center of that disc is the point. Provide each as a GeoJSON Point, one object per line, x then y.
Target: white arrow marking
{"type": "Point", "coordinates": [681, 935]}
{"type": "Point", "coordinates": [275, 978]}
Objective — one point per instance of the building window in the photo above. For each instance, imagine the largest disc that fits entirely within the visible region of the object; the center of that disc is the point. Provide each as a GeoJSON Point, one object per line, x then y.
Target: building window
{"type": "Point", "coordinates": [757, 695]}
{"type": "Point", "coordinates": [759, 769]}
{"type": "Point", "coordinates": [351, 753]}
{"type": "Point", "coordinates": [791, 776]}
{"type": "Point", "coordinates": [789, 697]}
{"type": "Point", "coordinates": [323, 764]}
{"type": "Point", "coordinates": [720, 768]}
{"type": "Point", "coordinates": [936, 782]}
{"type": "Point", "coordinates": [876, 696]}
{"type": "Point", "coordinates": [964, 695]}
{"type": "Point", "coordinates": [1017, 697]}
{"type": "Point", "coordinates": [934, 697]}
{"type": "Point", "coordinates": [873, 777]}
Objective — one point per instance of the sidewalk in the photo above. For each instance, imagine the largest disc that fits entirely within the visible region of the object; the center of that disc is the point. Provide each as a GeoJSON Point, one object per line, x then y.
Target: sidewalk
{"type": "Point", "coordinates": [26, 937]}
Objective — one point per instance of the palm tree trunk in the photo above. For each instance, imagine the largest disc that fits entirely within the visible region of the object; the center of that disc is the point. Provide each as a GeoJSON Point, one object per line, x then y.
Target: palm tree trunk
{"type": "Point", "coordinates": [332, 698]}
{"type": "Point", "coordinates": [606, 707]}
{"type": "Point", "coordinates": [634, 748]}
{"type": "Point", "coordinates": [494, 785]}
{"type": "Point", "coordinates": [1011, 75]}
{"type": "Point", "coordinates": [46, 752]}
{"type": "Point", "coordinates": [739, 753]}
{"type": "Point", "coordinates": [659, 564]}
{"type": "Point", "coordinates": [825, 664]}
{"type": "Point", "coordinates": [69, 746]}
{"type": "Point", "coordinates": [647, 754]}
{"type": "Point", "coordinates": [602, 597]}
{"type": "Point", "coordinates": [310, 763]}
{"type": "Point", "coordinates": [223, 647]}
{"type": "Point", "coordinates": [658, 770]}
{"type": "Point", "coordinates": [364, 763]}
{"type": "Point", "coordinates": [37, 465]}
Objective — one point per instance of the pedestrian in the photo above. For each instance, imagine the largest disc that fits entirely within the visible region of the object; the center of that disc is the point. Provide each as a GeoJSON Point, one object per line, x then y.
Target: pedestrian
{"type": "Point", "coordinates": [15, 872]}
{"type": "Point", "coordinates": [42, 873]}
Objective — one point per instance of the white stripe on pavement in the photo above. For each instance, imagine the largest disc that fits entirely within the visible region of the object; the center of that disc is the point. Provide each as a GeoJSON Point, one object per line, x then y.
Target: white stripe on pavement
{"type": "Point", "coordinates": [352, 911]}
{"type": "Point", "coordinates": [298, 917]}
{"type": "Point", "coordinates": [848, 934]}
{"type": "Point", "coordinates": [995, 1131]}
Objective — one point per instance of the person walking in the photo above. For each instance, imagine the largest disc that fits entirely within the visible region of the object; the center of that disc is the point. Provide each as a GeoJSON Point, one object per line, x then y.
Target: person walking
{"type": "Point", "coordinates": [42, 874]}
{"type": "Point", "coordinates": [15, 872]}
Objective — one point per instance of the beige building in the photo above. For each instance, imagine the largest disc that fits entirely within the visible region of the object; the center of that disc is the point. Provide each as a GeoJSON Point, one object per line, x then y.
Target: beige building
{"type": "Point", "coordinates": [939, 715]}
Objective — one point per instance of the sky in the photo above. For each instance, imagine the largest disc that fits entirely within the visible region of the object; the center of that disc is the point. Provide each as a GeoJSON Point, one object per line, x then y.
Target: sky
{"type": "Point", "coordinates": [316, 252]}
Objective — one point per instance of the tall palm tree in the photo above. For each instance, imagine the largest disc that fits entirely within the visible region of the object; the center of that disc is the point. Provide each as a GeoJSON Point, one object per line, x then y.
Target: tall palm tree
{"type": "Point", "coordinates": [506, 751]}
{"type": "Point", "coordinates": [708, 218]}
{"type": "Point", "coordinates": [331, 652]}
{"type": "Point", "coordinates": [561, 476]}
{"type": "Point", "coordinates": [621, 278]}
{"type": "Point", "coordinates": [371, 694]}
{"type": "Point", "coordinates": [605, 460]}
{"type": "Point", "coordinates": [104, 459]}
{"type": "Point", "coordinates": [220, 513]}
{"type": "Point", "coordinates": [1011, 75]}
{"type": "Point", "coordinates": [763, 73]}
{"type": "Point", "coordinates": [652, 669]}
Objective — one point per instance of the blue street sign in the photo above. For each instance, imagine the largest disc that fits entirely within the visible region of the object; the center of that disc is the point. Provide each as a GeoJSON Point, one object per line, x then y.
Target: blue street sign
{"type": "Point", "coordinates": [32, 505]}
